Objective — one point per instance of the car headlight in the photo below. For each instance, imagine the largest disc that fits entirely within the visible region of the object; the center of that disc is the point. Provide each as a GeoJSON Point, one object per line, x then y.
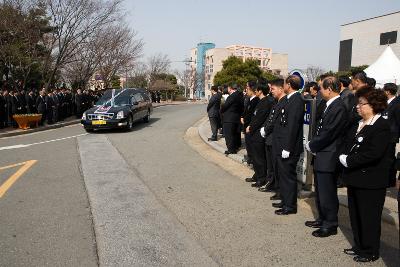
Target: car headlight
{"type": "Point", "coordinates": [120, 114]}
{"type": "Point", "coordinates": [84, 116]}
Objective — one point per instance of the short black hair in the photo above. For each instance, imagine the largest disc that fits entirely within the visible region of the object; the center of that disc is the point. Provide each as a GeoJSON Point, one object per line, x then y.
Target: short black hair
{"type": "Point", "coordinates": [323, 76]}
{"type": "Point", "coordinates": [233, 85]}
{"type": "Point", "coordinates": [391, 88]}
{"type": "Point", "coordinates": [371, 81]}
{"type": "Point", "coordinates": [277, 82]}
{"type": "Point", "coordinates": [331, 82]}
{"type": "Point", "coordinates": [294, 81]}
{"type": "Point", "coordinates": [214, 88]}
{"type": "Point", "coordinates": [345, 80]}
{"type": "Point", "coordinates": [252, 85]}
{"type": "Point", "coordinates": [360, 75]}
{"type": "Point", "coordinates": [313, 85]}
{"type": "Point", "coordinates": [263, 87]}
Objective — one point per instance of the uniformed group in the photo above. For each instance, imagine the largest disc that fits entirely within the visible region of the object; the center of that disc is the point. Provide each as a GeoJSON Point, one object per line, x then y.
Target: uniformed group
{"type": "Point", "coordinates": [357, 129]}
{"type": "Point", "coordinates": [54, 105]}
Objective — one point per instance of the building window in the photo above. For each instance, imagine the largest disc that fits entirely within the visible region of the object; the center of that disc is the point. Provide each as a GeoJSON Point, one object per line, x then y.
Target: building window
{"type": "Point", "coordinates": [345, 53]}
{"type": "Point", "coordinates": [388, 38]}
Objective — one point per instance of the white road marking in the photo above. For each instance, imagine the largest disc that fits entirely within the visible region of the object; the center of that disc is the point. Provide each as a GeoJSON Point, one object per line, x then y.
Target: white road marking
{"type": "Point", "coordinates": [39, 143]}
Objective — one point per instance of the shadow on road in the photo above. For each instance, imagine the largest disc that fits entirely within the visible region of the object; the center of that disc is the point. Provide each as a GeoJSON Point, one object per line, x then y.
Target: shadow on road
{"type": "Point", "coordinates": [136, 127]}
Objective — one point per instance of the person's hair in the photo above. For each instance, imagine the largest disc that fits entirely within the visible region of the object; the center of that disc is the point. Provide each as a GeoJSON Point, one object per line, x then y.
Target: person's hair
{"type": "Point", "coordinates": [294, 81]}
{"type": "Point", "coordinates": [252, 85]}
{"type": "Point", "coordinates": [391, 88]}
{"type": "Point", "coordinates": [225, 90]}
{"type": "Point", "coordinates": [371, 82]}
{"type": "Point", "coordinates": [360, 75]}
{"type": "Point", "coordinates": [345, 80]}
{"type": "Point", "coordinates": [214, 88]}
{"type": "Point", "coordinates": [332, 83]}
{"type": "Point", "coordinates": [233, 85]}
{"type": "Point", "coordinates": [322, 76]}
{"type": "Point", "coordinates": [377, 99]}
{"type": "Point", "coordinates": [277, 82]}
{"type": "Point", "coordinates": [313, 85]}
{"type": "Point", "coordinates": [306, 88]}
{"type": "Point", "coordinates": [263, 87]}
{"type": "Point", "coordinates": [220, 88]}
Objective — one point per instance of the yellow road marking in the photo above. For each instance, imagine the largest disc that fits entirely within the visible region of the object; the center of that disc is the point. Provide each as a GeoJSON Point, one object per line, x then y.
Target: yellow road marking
{"type": "Point", "coordinates": [13, 178]}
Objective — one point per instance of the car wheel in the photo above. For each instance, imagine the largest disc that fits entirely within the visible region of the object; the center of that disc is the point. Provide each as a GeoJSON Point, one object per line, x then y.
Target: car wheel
{"type": "Point", "coordinates": [147, 117]}
{"type": "Point", "coordinates": [129, 125]}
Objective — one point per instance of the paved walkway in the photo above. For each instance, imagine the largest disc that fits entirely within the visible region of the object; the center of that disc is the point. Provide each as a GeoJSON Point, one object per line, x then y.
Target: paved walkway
{"type": "Point", "coordinates": [390, 211]}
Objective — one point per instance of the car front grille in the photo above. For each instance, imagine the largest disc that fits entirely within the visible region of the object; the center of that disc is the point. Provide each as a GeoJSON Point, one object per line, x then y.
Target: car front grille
{"type": "Point", "coordinates": [100, 117]}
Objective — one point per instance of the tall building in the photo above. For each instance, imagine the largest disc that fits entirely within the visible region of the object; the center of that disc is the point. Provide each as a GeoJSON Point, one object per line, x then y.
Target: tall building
{"type": "Point", "coordinates": [197, 59]}
{"type": "Point", "coordinates": [362, 42]}
{"type": "Point", "coordinates": [214, 57]}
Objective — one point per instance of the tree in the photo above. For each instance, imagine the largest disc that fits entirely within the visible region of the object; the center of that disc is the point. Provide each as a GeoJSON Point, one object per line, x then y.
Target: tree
{"type": "Point", "coordinates": [234, 70]}
{"type": "Point", "coordinates": [313, 72]}
{"type": "Point", "coordinates": [157, 64]}
{"type": "Point", "coordinates": [74, 21]}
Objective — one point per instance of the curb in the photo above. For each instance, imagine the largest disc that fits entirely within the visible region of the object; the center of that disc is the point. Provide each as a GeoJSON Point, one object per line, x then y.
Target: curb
{"type": "Point", "coordinates": [387, 215]}
{"type": "Point", "coordinates": [59, 125]}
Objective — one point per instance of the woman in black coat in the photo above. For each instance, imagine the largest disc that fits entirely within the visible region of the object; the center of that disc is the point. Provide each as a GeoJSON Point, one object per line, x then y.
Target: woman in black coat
{"type": "Point", "coordinates": [366, 174]}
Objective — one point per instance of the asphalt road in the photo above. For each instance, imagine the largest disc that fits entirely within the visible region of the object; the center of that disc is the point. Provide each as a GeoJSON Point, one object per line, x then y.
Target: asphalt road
{"type": "Point", "coordinates": [166, 205]}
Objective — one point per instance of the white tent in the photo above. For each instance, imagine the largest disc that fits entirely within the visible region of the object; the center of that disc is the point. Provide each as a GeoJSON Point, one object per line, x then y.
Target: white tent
{"type": "Point", "coordinates": [386, 69]}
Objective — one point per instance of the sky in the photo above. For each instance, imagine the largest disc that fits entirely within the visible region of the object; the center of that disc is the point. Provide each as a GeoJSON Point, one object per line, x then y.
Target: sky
{"type": "Point", "coordinates": [308, 31]}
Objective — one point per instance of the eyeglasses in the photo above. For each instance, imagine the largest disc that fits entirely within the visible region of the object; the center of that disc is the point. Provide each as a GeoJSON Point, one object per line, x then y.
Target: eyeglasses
{"type": "Point", "coordinates": [362, 104]}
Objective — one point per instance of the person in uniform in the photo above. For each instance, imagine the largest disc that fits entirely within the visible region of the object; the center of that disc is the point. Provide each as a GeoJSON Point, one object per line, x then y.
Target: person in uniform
{"type": "Point", "coordinates": [41, 106]}
{"type": "Point", "coordinates": [30, 102]}
{"type": "Point", "coordinates": [326, 146]}
{"type": "Point", "coordinates": [232, 109]}
{"type": "Point", "coordinates": [213, 107]}
{"type": "Point", "coordinates": [256, 140]}
{"type": "Point", "coordinates": [267, 131]}
{"type": "Point", "coordinates": [367, 160]}
{"type": "Point", "coordinates": [249, 107]}
{"type": "Point", "coordinates": [288, 135]}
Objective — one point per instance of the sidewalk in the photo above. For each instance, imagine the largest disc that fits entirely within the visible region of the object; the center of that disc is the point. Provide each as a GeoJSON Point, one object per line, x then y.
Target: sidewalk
{"type": "Point", "coordinates": [390, 213]}
{"type": "Point", "coordinates": [10, 131]}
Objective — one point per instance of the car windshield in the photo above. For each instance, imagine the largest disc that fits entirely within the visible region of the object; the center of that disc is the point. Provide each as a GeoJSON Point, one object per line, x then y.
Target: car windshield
{"type": "Point", "coordinates": [119, 100]}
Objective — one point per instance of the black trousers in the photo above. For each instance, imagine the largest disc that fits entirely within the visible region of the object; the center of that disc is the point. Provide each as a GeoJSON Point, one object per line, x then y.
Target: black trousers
{"type": "Point", "coordinates": [259, 161]}
{"type": "Point", "coordinates": [326, 198]}
{"type": "Point", "coordinates": [286, 170]}
{"type": "Point", "coordinates": [231, 133]}
{"type": "Point", "coordinates": [365, 209]}
{"type": "Point", "coordinates": [275, 176]}
{"type": "Point", "coordinates": [248, 147]}
{"type": "Point", "coordinates": [214, 126]}
{"type": "Point", "coordinates": [270, 167]}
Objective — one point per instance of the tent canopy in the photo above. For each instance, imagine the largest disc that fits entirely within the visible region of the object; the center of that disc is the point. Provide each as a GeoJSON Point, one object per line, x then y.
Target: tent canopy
{"type": "Point", "coordinates": [386, 69]}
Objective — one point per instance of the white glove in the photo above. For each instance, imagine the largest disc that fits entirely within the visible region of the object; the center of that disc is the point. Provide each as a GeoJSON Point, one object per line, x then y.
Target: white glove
{"type": "Point", "coordinates": [343, 160]}
{"type": "Point", "coordinates": [262, 132]}
{"type": "Point", "coordinates": [285, 154]}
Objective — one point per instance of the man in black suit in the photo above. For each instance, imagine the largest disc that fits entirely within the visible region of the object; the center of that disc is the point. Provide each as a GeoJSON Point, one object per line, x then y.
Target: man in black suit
{"type": "Point", "coordinates": [326, 145]}
{"type": "Point", "coordinates": [41, 106]}
{"type": "Point", "coordinates": [392, 113]}
{"type": "Point", "coordinates": [30, 102]}
{"type": "Point", "coordinates": [288, 136]}
{"type": "Point", "coordinates": [256, 140]}
{"type": "Point", "coordinates": [249, 107]}
{"type": "Point", "coordinates": [232, 109]}
{"type": "Point", "coordinates": [213, 107]}
{"type": "Point", "coordinates": [346, 94]}
{"type": "Point", "coordinates": [267, 131]}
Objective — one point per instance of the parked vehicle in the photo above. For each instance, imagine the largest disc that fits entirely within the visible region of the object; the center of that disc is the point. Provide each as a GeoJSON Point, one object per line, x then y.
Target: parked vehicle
{"type": "Point", "coordinates": [118, 108]}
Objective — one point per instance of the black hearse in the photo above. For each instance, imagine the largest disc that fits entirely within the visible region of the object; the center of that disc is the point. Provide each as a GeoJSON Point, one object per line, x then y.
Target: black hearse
{"type": "Point", "coordinates": [118, 108]}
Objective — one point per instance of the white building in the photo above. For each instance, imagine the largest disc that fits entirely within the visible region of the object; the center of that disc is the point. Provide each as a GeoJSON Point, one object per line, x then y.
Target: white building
{"type": "Point", "coordinates": [362, 42]}
{"type": "Point", "coordinates": [214, 57]}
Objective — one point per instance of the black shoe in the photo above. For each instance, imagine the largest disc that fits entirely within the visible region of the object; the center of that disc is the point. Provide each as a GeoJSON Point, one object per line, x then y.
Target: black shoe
{"type": "Point", "coordinates": [278, 205]}
{"type": "Point", "coordinates": [313, 224]}
{"type": "Point", "coordinates": [258, 184]}
{"type": "Point", "coordinates": [212, 139]}
{"type": "Point", "coordinates": [350, 251]}
{"type": "Point", "coordinates": [227, 152]}
{"type": "Point", "coordinates": [250, 180]}
{"type": "Point", "coordinates": [365, 258]}
{"type": "Point", "coordinates": [325, 232]}
{"type": "Point", "coordinates": [275, 197]}
{"type": "Point", "coordinates": [285, 211]}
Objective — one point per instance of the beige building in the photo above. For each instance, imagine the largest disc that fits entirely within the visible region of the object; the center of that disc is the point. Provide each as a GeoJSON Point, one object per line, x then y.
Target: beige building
{"type": "Point", "coordinates": [273, 62]}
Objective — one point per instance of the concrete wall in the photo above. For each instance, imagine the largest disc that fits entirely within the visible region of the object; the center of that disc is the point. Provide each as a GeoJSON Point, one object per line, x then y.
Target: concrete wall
{"type": "Point", "coordinates": [279, 64]}
{"type": "Point", "coordinates": [366, 37]}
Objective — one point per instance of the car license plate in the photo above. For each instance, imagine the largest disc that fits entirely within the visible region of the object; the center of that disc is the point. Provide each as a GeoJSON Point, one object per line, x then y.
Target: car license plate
{"type": "Point", "coordinates": [98, 122]}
